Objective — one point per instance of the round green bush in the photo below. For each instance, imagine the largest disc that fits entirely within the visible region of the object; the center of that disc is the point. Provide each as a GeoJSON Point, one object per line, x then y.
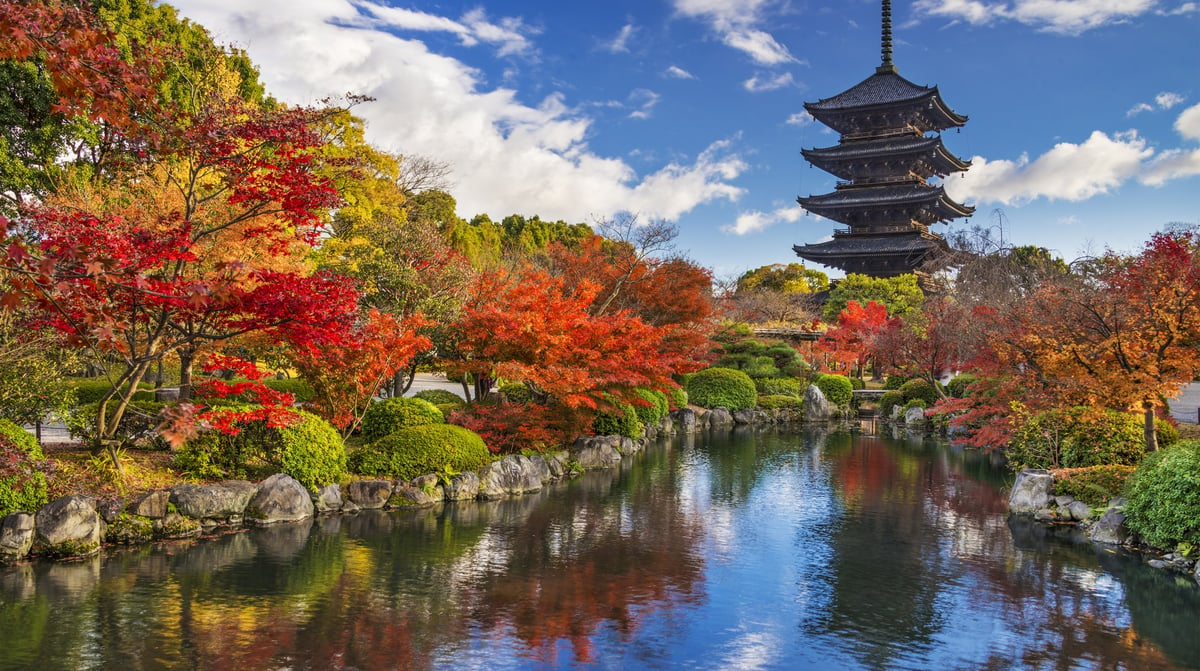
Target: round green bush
{"type": "Point", "coordinates": [894, 382]}
{"type": "Point", "coordinates": [22, 483]}
{"type": "Point", "coordinates": [957, 386]}
{"type": "Point", "coordinates": [393, 414]}
{"type": "Point", "coordinates": [418, 450]}
{"type": "Point", "coordinates": [1077, 437]}
{"type": "Point", "coordinates": [889, 400]}
{"type": "Point", "coordinates": [92, 389]}
{"type": "Point", "coordinates": [914, 403]}
{"type": "Point", "coordinates": [678, 398]}
{"type": "Point", "coordinates": [1163, 496]}
{"type": "Point", "coordinates": [780, 386]}
{"type": "Point", "coordinates": [760, 366]}
{"type": "Point", "coordinates": [620, 422]}
{"type": "Point", "coordinates": [652, 414]}
{"type": "Point", "coordinates": [301, 389]}
{"type": "Point", "coordinates": [440, 397]}
{"type": "Point", "coordinates": [516, 392]}
{"type": "Point", "coordinates": [722, 388]}
{"type": "Point", "coordinates": [858, 383]}
{"type": "Point", "coordinates": [776, 401]}
{"type": "Point", "coordinates": [837, 389]}
{"type": "Point", "coordinates": [1166, 432]}
{"type": "Point", "coordinates": [918, 388]}
{"type": "Point", "coordinates": [311, 451]}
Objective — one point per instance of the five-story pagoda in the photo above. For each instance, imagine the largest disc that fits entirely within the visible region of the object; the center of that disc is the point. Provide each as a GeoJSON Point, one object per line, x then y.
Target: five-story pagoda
{"type": "Point", "coordinates": [890, 147]}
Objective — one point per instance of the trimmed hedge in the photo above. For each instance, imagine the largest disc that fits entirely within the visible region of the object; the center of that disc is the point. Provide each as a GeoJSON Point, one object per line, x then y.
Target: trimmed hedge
{"type": "Point", "coordinates": [440, 397]}
{"type": "Point", "coordinates": [889, 400]}
{"type": "Point", "coordinates": [418, 450]}
{"type": "Point", "coordinates": [838, 389]}
{"type": "Point", "coordinates": [919, 389]}
{"type": "Point", "coordinates": [1163, 496]}
{"type": "Point", "coordinates": [722, 388]}
{"type": "Point", "coordinates": [652, 414]}
{"type": "Point", "coordinates": [1094, 485]}
{"type": "Point", "coordinates": [620, 422]}
{"type": "Point", "coordinates": [678, 398]}
{"type": "Point", "coordinates": [776, 401]}
{"type": "Point", "coordinates": [957, 386]}
{"type": "Point", "coordinates": [92, 389]}
{"type": "Point", "coordinates": [780, 386]}
{"type": "Point", "coordinates": [22, 483]}
{"type": "Point", "coordinates": [300, 388]}
{"type": "Point", "coordinates": [391, 415]}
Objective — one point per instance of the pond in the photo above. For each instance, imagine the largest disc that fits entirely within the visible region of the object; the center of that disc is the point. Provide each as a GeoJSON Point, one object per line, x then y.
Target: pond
{"type": "Point", "coordinates": [750, 550]}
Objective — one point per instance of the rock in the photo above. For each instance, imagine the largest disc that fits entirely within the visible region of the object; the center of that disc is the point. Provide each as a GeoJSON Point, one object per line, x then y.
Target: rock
{"type": "Point", "coordinates": [541, 468]}
{"type": "Point", "coordinates": [559, 464]}
{"type": "Point", "coordinates": [685, 419]}
{"type": "Point", "coordinates": [328, 498]}
{"type": "Point", "coordinates": [110, 509]}
{"type": "Point", "coordinates": [174, 525]}
{"type": "Point", "coordinates": [68, 526]}
{"type": "Point", "coordinates": [1046, 515]}
{"type": "Point", "coordinates": [597, 451]}
{"type": "Point", "coordinates": [409, 496]}
{"type": "Point", "coordinates": [280, 498]}
{"type": "Point", "coordinates": [151, 504]}
{"type": "Point", "coordinates": [666, 426]}
{"type": "Point", "coordinates": [1064, 501]}
{"type": "Point", "coordinates": [166, 395]}
{"type": "Point", "coordinates": [914, 416]}
{"type": "Point", "coordinates": [816, 406]}
{"type": "Point", "coordinates": [1111, 528]}
{"type": "Point", "coordinates": [369, 494]}
{"type": "Point", "coordinates": [1197, 572]}
{"type": "Point", "coordinates": [130, 529]}
{"type": "Point", "coordinates": [462, 487]}
{"type": "Point", "coordinates": [512, 475]}
{"type": "Point", "coordinates": [717, 418]}
{"type": "Point", "coordinates": [16, 536]}
{"type": "Point", "coordinates": [225, 501]}
{"type": "Point", "coordinates": [1159, 563]}
{"type": "Point", "coordinates": [1079, 511]}
{"type": "Point", "coordinates": [1031, 491]}
{"type": "Point", "coordinates": [747, 416]}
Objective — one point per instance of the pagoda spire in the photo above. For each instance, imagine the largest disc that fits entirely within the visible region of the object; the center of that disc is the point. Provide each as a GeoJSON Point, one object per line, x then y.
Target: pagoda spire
{"type": "Point", "coordinates": [886, 41]}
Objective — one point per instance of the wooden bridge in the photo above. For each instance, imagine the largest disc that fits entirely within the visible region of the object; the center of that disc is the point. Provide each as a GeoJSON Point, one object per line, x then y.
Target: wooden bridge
{"type": "Point", "coordinates": [788, 334]}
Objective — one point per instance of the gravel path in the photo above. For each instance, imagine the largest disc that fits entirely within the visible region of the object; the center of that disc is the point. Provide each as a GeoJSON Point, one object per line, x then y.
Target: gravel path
{"type": "Point", "coordinates": [1184, 407]}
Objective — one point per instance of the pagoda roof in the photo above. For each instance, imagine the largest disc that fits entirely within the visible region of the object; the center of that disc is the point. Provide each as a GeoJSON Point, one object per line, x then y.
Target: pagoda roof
{"type": "Point", "coordinates": [914, 146]}
{"type": "Point", "coordinates": [881, 255]}
{"type": "Point", "coordinates": [886, 88]}
{"type": "Point", "coordinates": [838, 204]}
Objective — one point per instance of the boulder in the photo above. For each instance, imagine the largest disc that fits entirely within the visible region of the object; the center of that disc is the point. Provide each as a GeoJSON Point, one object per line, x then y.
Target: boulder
{"type": "Point", "coordinates": [410, 496]}
{"type": "Point", "coordinates": [280, 498]}
{"type": "Point", "coordinates": [718, 418]}
{"type": "Point", "coordinates": [68, 526]}
{"type": "Point", "coordinates": [110, 508]}
{"type": "Point", "coordinates": [151, 504]}
{"type": "Point", "coordinates": [541, 468]}
{"type": "Point", "coordinates": [221, 501]}
{"type": "Point", "coordinates": [747, 416]}
{"type": "Point", "coordinates": [173, 525]}
{"type": "Point", "coordinates": [914, 416]}
{"type": "Point", "coordinates": [328, 498]}
{"type": "Point", "coordinates": [1111, 529]}
{"type": "Point", "coordinates": [1032, 491]}
{"type": "Point", "coordinates": [512, 475]}
{"type": "Point", "coordinates": [463, 487]}
{"type": "Point", "coordinates": [130, 529]}
{"type": "Point", "coordinates": [597, 451]}
{"type": "Point", "coordinates": [559, 464]}
{"type": "Point", "coordinates": [16, 536]}
{"type": "Point", "coordinates": [816, 407]}
{"type": "Point", "coordinates": [1079, 511]}
{"type": "Point", "coordinates": [685, 419]}
{"type": "Point", "coordinates": [369, 494]}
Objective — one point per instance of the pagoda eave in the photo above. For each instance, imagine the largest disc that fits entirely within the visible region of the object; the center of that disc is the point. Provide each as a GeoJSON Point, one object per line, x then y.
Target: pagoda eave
{"type": "Point", "coordinates": [878, 255]}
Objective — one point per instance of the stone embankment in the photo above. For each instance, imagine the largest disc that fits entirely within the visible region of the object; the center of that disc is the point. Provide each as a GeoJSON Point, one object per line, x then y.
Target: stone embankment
{"type": "Point", "coordinates": [1033, 494]}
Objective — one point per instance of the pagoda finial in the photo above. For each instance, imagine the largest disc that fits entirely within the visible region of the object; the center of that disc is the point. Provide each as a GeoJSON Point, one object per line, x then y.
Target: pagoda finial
{"type": "Point", "coordinates": [886, 46]}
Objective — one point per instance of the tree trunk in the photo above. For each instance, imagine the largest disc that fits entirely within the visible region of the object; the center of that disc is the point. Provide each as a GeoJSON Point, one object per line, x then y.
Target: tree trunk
{"type": "Point", "coordinates": [187, 360]}
{"type": "Point", "coordinates": [1151, 436]}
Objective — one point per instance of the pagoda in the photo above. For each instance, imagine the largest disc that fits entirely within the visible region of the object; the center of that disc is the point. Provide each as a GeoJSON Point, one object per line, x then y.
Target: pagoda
{"type": "Point", "coordinates": [890, 148]}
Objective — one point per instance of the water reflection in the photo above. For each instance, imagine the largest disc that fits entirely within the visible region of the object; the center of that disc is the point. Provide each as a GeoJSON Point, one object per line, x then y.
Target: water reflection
{"type": "Point", "coordinates": [748, 550]}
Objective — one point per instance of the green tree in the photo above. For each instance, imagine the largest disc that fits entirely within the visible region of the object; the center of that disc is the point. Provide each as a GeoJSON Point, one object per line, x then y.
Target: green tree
{"type": "Point", "coordinates": [900, 294]}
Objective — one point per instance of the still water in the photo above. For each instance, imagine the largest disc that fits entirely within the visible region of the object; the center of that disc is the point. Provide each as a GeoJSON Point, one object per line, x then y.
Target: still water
{"type": "Point", "coordinates": [742, 551]}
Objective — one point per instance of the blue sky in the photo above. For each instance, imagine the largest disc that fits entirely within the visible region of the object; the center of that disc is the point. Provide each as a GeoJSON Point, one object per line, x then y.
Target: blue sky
{"type": "Point", "coordinates": [1084, 114]}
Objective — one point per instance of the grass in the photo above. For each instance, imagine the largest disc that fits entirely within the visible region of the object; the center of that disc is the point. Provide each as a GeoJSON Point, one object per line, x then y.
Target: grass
{"type": "Point", "coordinates": [76, 470]}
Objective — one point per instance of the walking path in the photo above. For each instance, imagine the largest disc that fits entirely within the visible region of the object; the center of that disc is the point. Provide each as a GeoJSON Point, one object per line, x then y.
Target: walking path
{"type": "Point", "coordinates": [1185, 406]}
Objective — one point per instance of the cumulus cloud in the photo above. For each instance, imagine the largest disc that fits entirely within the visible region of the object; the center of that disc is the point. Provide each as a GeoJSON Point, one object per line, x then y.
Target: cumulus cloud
{"type": "Point", "coordinates": [676, 72]}
{"type": "Point", "coordinates": [1185, 8]}
{"type": "Point", "coordinates": [1069, 17]}
{"type": "Point", "coordinates": [738, 24]}
{"type": "Point", "coordinates": [507, 155]}
{"type": "Point", "coordinates": [1163, 101]}
{"type": "Point", "coordinates": [1068, 171]}
{"type": "Point", "coordinates": [1188, 123]}
{"type": "Point", "coordinates": [756, 220]}
{"type": "Point", "coordinates": [760, 83]}
{"type": "Point", "coordinates": [800, 119]}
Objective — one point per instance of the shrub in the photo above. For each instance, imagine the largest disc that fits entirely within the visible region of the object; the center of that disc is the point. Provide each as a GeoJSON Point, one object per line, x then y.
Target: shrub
{"type": "Point", "coordinates": [92, 389]}
{"type": "Point", "coordinates": [780, 386]}
{"type": "Point", "coordinates": [1094, 485]}
{"type": "Point", "coordinates": [22, 482]}
{"type": "Point", "coordinates": [858, 383]}
{"type": "Point", "coordinates": [1166, 431]}
{"type": "Point", "coordinates": [776, 401]}
{"type": "Point", "coordinates": [298, 387]}
{"type": "Point", "coordinates": [138, 425]}
{"type": "Point", "coordinates": [678, 398]}
{"type": "Point", "coordinates": [889, 400]}
{"type": "Point", "coordinates": [516, 392]}
{"type": "Point", "coordinates": [918, 388]}
{"type": "Point", "coordinates": [722, 388]}
{"type": "Point", "coordinates": [393, 414]}
{"type": "Point", "coordinates": [837, 389]}
{"type": "Point", "coordinates": [894, 382]}
{"type": "Point", "coordinates": [621, 421]}
{"type": "Point", "coordinates": [309, 450]}
{"type": "Point", "coordinates": [440, 397]}
{"type": "Point", "coordinates": [418, 450]}
{"type": "Point", "coordinates": [513, 427]}
{"type": "Point", "coordinates": [760, 366]}
{"type": "Point", "coordinates": [1076, 437]}
{"type": "Point", "coordinates": [652, 414]}
{"type": "Point", "coordinates": [914, 403]}
{"type": "Point", "coordinates": [1163, 496]}
{"type": "Point", "coordinates": [957, 386]}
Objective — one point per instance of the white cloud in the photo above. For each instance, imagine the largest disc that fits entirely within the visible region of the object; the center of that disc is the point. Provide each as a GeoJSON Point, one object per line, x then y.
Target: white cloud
{"type": "Point", "coordinates": [759, 83]}
{"type": "Point", "coordinates": [800, 119]}
{"type": "Point", "coordinates": [756, 220]}
{"type": "Point", "coordinates": [1173, 164]}
{"type": "Point", "coordinates": [676, 72]}
{"type": "Point", "coordinates": [1139, 108]}
{"type": "Point", "coordinates": [473, 28]}
{"type": "Point", "coordinates": [1069, 17]}
{"type": "Point", "coordinates": [620, 43]}
{"type": "Point", "coordinates": [1185, 8]}
{"type": "Point", "coordinates": [506, 155]}
{"type": "Point", "coordinates": [737, 23]}
{"type": "Point", "coordinates": [1067, 172]}
{"type": "Point", "coordinates": [1168, 99]}
{"type": "Point", "coordinates": [644, 101]}
{"type": "Point", "coordinates": [1188, 123]}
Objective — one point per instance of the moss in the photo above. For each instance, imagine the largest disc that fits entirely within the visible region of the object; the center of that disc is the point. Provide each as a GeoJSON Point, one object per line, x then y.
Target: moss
{"type": "Point", "coordinates": [129, 529]}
